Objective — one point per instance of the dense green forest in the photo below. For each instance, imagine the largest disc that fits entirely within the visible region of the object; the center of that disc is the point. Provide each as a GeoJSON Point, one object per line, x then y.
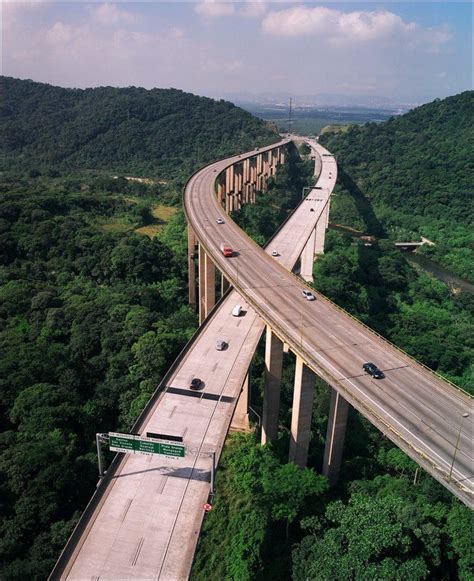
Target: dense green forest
{"type": "Point", "coordinates": [90, 321]}
{"type": "Point", "coordinates": [159, 133]}
{"type": "Point", "coordinates": [92, 314]}
{"type": "Point", "coordinates": [412, 176]}
{"type": "Point", "coordinates": [386, 519]}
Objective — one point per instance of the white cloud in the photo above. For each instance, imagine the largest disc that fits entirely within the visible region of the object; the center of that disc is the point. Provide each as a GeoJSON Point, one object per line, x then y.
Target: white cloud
{"type": "Point", "coordinates": [216, 9]}
{"type": "Point", "coordinates": [349, 27]}
{"type": "Point", "coordinates": [110, 14]}
{"type": "Point", "coordinates": [212, 9]}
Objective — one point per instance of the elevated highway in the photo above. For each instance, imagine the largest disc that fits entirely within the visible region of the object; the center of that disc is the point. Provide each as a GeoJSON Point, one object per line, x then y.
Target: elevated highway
{"type": "Point", "coordinates": [144, 520]}
{"type": "Point", "coordinates": [418, 410]}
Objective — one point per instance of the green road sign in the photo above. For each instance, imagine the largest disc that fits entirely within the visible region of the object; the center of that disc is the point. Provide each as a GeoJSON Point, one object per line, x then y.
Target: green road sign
{"type": "Point", "coordinates": [121, 442]}
{"type": "Point", "coordinates": [136, 445]}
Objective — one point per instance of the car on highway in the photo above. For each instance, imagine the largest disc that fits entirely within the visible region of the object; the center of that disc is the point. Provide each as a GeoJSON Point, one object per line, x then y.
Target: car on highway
{"type": "Point", "coordinates": [220, 221]}
{"type": "Point", "coordinates": [196, 383]}
{"type": "Point", "coordinates": [308, 295]}
{"type": "Point", "coordinates": [221, 345]}
{"type": "Point", "coordinates": [373, 370]}
{"type": "Point", "coordinates": [275, 253]}
{"type": "Point", "coordinates": [237, 310]}
{"type": "Point", "coordinates": [311, 209]}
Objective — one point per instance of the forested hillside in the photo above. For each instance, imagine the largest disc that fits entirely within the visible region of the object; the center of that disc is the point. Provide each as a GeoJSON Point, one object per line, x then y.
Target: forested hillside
{"type": "Point", "coordinates": [412, 176]}
{"type": "Point", "coordinates": [152, 133]}
{"type": "Point", "coordinates": [92, 313]}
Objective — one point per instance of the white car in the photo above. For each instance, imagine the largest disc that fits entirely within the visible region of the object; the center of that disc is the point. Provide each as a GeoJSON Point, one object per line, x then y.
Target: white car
{"type": "Point", "coordinates": [308, 295]}
{"type": "Point", "coordinates": [220, 221]}
{"type": "Point", "coordinates": [237, 310]}
{"type": "Point", "coordinates": [275, 253]}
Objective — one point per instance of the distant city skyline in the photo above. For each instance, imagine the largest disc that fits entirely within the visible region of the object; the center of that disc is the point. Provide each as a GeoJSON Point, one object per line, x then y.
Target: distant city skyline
{"type": "Point", "coordinates": [406, 52]}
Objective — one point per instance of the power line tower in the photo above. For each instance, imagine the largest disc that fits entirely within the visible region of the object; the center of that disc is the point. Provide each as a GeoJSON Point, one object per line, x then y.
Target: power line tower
{"type": "Point", "coordinates": [290, 117]}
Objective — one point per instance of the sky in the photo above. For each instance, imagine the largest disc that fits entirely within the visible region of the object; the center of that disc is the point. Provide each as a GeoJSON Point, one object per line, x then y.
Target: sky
{"type": "Point", "coordinates": [410, 52]}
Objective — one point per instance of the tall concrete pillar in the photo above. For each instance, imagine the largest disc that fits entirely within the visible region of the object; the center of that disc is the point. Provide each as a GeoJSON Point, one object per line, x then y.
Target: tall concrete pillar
{"type": "Point", "coordinates": [210, 284]}
{"type": "Point", "coordinates": [338, 412]}
{"type": "Point", "coordinates": [282, 154]}
{"type": "Point", "coordinates": [271, 396]}
{"type": "Point", "coordinates": [229, 184]}
{"type": "Point", "coordinates": [320, 234]}
{"type": "Point", "coordinates": [201, 284]}
{"type": "Point", "coordinates": [307, 258]}
{"type": "Point", "coordinates": [221, 195]}
{"type": "Point", "coordinates": [247, 170]}
{"type": "Point", "coordinates": [224, 285]}
{"type": "Point", "coordinates": [191, 267]}
{"type": "Point", "coordinates": [240, 419]}
{"type": "Point", "coordinates": [207, 284]}
{"type": "Point", "coordinates": [318, 164]}
{"type": "Point", "coordinates": [302, 413]}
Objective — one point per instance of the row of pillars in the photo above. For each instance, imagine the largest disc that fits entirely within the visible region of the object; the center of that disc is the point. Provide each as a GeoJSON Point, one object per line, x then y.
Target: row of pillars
{"type": "Point", "coordinates": [237, 185]}
{"type": "Point", "coordinates": [302, 410]}
{"type": "Point", "coordinates": [314, 245]}
{"type": "Point", "coordinates": [240, 182]}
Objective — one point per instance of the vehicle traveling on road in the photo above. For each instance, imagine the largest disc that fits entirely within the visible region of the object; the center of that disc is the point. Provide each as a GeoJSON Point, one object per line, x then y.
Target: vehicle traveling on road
{"type": "Point", "coordinates": [373, 370]}
{"type": "Point", "coordinates": [220, 221]}
{"type": "Point", "coordinates": [196, 383]}
{"type": "Point", "coordinates": [275, 253]}
{"type": "Point", "coordinates": [237, 310]}
{"type": "Point", "coordinates": [226, 250]}
{"type": "Point", "coordinates": [308, 295]}
{"type": "Point", "coordinates": [221, 345]}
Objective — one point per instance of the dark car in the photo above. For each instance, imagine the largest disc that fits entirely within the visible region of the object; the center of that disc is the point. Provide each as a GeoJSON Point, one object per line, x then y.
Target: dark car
{"type": "Point", "coordinates": [196, 383]}
{"type": "Point", "coordinates": [373, 370]}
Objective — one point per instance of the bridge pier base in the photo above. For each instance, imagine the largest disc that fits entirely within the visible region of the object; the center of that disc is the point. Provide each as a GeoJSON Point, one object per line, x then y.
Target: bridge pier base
{"type": "Point", "coordinates": [271, 396]}
{"type": "Point", "coordinates": [240, 419]}
{"type": "Point", "coordinates": [337, 422]}
{"type": "Point", "coordinates": [302, 413]}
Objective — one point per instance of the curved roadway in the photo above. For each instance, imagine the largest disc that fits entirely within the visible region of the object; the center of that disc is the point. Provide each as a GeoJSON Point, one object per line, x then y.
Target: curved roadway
{"type": "Point", "coordinates": [414, 407]}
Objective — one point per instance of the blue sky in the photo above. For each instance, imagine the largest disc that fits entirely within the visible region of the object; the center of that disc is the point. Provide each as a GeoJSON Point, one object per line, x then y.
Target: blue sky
{"type": "Point", "coordinates": [407, 51]}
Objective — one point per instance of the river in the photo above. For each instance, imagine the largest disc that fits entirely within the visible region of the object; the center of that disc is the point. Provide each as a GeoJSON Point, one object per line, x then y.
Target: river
{"type": "Point", "coordinates": [425, 263]}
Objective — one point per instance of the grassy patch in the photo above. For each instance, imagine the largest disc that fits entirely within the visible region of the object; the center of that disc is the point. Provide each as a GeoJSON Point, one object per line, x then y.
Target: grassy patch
{"type": "Point", "coordinates": [116, 224]}
{"type": "Point", "coordinates": [161, 216]}
{"type": "Point", "coordinates": [163, 213]}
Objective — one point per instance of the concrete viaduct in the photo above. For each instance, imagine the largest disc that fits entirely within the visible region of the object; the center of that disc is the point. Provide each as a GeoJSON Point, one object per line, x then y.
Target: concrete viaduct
{"type": "Point", "coordinates": [143, 521]}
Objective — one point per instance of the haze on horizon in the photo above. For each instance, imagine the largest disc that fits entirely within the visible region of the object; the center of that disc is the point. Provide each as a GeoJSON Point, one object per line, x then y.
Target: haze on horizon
{"type": "Point", "coordinates": [407, 52]}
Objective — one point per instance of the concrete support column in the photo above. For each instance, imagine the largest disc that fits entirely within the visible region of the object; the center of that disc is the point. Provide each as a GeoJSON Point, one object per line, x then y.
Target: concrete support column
{"type": "Point", "coordinates": [201, 284]}
{"type": "Point", "coordinates": [318, 164]}
{"type": "Point", "coordinates": [271, 396]}
{"type": "Point", "coordinates": [207, 284]}
{"type": "Point", "coordinates": [320, 233]}
{"type": "Point", "coordinates": [225, 284]}
{"type": "Point", "coordinates": [229, 184]}
{"type": "Point", "coordinates": [336, 432]}
{"type": "Point", "coordinates": [307, 258]}
{"type": "Point", "coordinates": [240, 419]}
{"type": "Point", "coordinates": [221, 194]}
{"type": "Point", "coordinates": [282, 154]}
{"type": "Point", "coordinates": [247, 170]}
{"type": "Point", "coordinates": [302, 413]}
{"type": "Point", "coordinates": [191, 267]}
